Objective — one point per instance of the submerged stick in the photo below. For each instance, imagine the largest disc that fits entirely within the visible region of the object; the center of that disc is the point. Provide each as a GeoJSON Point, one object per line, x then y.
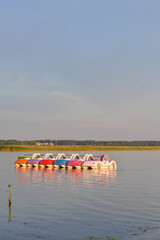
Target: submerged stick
{"type": "Point", "coordinates": [9, 200]}
{"type": "Point", "coordinates": [9, 213]}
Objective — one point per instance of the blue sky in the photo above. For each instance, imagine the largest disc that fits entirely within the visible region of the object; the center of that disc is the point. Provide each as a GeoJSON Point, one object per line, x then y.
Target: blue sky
{"type": "Point", "coordinates": [80, 69]}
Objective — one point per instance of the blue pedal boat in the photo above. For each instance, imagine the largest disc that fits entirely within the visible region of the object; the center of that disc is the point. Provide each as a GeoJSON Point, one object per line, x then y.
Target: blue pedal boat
{"type": "Point", "coordinates": [61, 163]}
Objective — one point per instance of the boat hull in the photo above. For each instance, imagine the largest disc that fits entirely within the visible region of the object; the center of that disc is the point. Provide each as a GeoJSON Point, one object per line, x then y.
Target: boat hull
{"type": "Point", "coordinates": [75, 164]}
{"type": "Point", "coordinates": [60, 163]}
{"type": "Point", "coordinates": [21, 162]}
{"type": "Point", "coordinates": [33, 162]}
{"type": "Point", "coordinates": [47, 162]}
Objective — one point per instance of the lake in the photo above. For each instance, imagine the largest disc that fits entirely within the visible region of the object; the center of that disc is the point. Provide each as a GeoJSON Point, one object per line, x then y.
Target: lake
{"type": "Point", "coordinates": [66, 204]}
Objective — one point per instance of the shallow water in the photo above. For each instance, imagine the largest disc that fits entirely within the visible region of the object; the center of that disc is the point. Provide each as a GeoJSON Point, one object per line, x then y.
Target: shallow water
{"type": "Point", "coordinates": [82, 204]}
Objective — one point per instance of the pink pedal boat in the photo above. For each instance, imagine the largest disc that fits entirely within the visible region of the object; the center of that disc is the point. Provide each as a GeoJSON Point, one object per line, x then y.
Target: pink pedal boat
{"type": "Point", "coordinates": [77, 162]}
{"type": "Point", "coordinates": [50, 159]}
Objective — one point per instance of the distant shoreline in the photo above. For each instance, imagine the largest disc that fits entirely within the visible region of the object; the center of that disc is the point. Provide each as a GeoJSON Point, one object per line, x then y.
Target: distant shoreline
{"type": "Point", "coordinates": [26, 148]}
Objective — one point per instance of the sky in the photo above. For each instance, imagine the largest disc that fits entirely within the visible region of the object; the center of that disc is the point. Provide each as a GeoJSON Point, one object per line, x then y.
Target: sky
{"type": "Point", "coordinates": [80, 69]}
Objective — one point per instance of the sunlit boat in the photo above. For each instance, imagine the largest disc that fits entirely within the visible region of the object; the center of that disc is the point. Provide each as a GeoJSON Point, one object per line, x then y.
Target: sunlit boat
{"type": "Point", "coordinates": [103, 162]}
{"type": "Point", "coordinates": [77, 162]}
{"type": "Point", "coordinates": [25, 156]}
{"type": "Point", "coordinates": [22, 162]}
{"type": "Point", "coordinates": [63, 162]}
{"type": "Point", "coordinates": [33, 162]}
{"type": "Point", "coordinates": [50, 159]}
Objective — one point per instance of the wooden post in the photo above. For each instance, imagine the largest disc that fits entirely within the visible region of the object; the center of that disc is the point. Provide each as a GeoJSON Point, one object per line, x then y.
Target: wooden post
{"type": "Point", "coordinates": [9, 213]}
{"type": "Point", "coordinates": [9, 200]}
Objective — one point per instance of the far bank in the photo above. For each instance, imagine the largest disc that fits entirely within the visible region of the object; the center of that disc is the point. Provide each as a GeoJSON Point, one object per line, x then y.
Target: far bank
{"type": "Point", "coordinates": [26, 148]}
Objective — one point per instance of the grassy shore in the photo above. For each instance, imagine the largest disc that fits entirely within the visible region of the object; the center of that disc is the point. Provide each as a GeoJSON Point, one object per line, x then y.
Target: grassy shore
{"type": "Point", "coordinates": [34, 148]}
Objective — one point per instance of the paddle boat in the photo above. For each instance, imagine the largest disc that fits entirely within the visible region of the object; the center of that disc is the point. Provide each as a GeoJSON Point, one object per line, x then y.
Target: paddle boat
{"type": "Point", "coordinates": [34, 162]}
{"type": "Point", "coordinates": [25, 156]}
{"type": "Point", "coordinates": [61, 163]}
{"type": "Point", "coordinates": [103, 162]}
{"type": "Point", "coordinates": [22, 162]}
{"type": "Point", "coordinates": [77, 163]}
{"type": "Point", "coordinates": [50, 159]}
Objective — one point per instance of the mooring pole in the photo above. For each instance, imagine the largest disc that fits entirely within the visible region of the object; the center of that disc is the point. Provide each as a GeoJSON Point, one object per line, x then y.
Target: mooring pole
{"type": "Point", "coordinates": [9, 213]}
{"type": "Point", "coordinates": [10, 193]}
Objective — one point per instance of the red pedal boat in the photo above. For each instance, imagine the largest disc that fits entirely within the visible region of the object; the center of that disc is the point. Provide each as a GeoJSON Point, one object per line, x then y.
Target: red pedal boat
{"type": "Point", "coordinates": [50, 159]}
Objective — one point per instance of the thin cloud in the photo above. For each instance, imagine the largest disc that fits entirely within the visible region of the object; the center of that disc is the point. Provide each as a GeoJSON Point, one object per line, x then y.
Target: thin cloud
{"type": "Point", "coordinates": [67, 96]}
{"type": "Point", "coordinates": [80, 105]}
{"type": "Point", "coordinates": [16, 78]}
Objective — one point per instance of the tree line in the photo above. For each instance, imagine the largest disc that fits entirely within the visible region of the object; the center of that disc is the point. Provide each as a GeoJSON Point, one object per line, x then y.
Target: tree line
{"type": "Point", "coordinates": [82, 142]}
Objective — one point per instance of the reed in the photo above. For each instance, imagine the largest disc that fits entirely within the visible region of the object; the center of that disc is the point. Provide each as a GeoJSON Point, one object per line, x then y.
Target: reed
{"type": "Point", "coordinates": [35, 148]}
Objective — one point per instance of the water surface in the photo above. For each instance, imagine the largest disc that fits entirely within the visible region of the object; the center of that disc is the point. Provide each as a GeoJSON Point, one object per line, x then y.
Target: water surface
{"type": "Point", "coordinates": [79, 204]}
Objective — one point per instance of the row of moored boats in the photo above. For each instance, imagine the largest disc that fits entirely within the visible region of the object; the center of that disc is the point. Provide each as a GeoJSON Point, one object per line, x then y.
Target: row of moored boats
{"type": "Point", "coordinates": [61, 161]}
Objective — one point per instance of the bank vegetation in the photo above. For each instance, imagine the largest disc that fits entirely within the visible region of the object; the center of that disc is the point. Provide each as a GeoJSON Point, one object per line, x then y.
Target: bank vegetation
{"type": "Point", "coordinates": [35, 148]}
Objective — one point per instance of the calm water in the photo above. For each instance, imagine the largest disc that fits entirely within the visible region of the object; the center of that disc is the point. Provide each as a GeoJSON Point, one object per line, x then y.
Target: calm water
{"type": "Point", "coordinates": [77, 204]}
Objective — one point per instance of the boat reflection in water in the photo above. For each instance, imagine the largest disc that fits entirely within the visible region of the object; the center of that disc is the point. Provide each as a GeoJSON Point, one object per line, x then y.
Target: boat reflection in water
{"type": "Point", "coordinates": [23, 173]}
{"type": "Point", "coordinates": [103, 177]}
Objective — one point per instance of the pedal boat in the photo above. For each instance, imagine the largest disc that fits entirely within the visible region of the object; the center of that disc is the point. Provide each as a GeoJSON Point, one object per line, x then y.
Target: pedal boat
{"type": "Point", "coordinates": [103, 162]}
{"type": "Point", "coordinates": [22, 162]}
{"type": "Point", "coordinates": [25, 156]}
{"type": "Point", "coordinates": [49, 159]}
{"type": "Point", "coordinates": [62, 163]}
{"type": "Point", "coordinates": [34, 161]}
{"type": "Point", "coordinates": [77, 162]}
